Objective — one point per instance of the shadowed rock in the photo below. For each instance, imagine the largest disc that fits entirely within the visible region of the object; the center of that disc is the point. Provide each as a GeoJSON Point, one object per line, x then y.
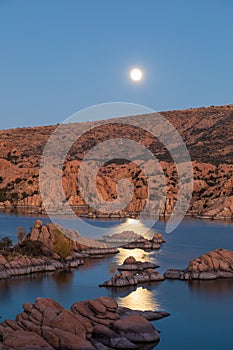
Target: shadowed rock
{"type": "Point", "coordinates": [24, 265]}
{"type": "Point", "coordinates": [133, 272]}
{"type": "Point", "coordinates": [215, 264]}
{"type": "Point", "coordinates": [91, 324]}
{"type": "Point", "coordinates": [120, 238]}
{"type": "Point", "coordinates": [146, 244]}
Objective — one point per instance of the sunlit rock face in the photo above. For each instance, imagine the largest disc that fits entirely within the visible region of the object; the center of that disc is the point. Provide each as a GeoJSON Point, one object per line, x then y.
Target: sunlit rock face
{"type": "Point", "coordinates": [207, 133]}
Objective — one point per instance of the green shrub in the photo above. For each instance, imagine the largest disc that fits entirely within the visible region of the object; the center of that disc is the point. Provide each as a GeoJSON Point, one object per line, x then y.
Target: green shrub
{"type": "Point", "coordinates": [62, 246]}
{"type": "Point", "coordinates": [14, 196]}
{"type": "Point", "coordinates": [3, 194]}
{"type": "Point", "coordinates": [6, 244]}
{"type": "Point", "coordinates": [24, 195]}
{"type": "Point", "coordinates": [30, 248]}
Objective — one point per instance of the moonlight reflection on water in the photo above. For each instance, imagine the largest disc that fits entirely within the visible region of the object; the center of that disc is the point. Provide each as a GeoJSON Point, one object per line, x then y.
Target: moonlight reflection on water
{"type": "Point", "coordinates": [140, 299]}
{"type": "Point", "coordinates": [138, 254]}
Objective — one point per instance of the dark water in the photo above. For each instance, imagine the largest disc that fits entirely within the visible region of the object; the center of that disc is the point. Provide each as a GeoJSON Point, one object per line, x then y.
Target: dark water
{"type": "Point", "coordinates": [201, 312]}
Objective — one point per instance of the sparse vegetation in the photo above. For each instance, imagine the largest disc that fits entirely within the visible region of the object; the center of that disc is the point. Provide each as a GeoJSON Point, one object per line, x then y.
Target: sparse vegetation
{"type": "Point", "coordinates": [30, 248]}
{"type": "Point", "coordinates": [62, 246]}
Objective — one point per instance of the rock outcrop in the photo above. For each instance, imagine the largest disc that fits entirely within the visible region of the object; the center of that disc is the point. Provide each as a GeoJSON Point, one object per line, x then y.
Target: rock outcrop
{"type": "Point", "coordinates": [133, 272]}
{"type": "Point", "coordinates": [59, 250]}
{"type": "Point", "coordinates": [17, 265]}
{"type": "Point", "coordinates": [215, 264]}
{"type": "Point", "coordinates": [92, 324]}
{"type": "Point", "coordinates": [146, 244]}
{"type": "Point", "coordinates": [49, 234]}
{"type": "Point", "coordinates": [131, 264]}
{"type": "Point", "coordinates": [99, 252]}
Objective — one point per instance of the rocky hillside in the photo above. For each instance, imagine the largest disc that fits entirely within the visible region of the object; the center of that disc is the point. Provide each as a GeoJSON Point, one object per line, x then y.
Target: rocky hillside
{"type": "Point", "coordinates": [207, 132]}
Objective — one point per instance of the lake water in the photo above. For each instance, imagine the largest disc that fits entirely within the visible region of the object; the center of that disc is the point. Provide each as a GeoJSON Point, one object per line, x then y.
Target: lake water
{"type": "Point", "coordinates": [201, 311]}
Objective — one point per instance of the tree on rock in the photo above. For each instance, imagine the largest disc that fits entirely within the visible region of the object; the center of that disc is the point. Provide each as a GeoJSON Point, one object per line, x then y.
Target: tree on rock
{"type": "Point", "coordinates": [6, 244]}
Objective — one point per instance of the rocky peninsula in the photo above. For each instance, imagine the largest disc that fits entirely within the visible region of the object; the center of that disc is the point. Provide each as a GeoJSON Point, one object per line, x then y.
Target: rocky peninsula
{"type": "Point", "coordinates": [213, 265]}
{"type": "Point", "coordinates": [17, 265]}
{"type": "Point", "coordinates": [92, 324]}
{"type": "Point", "coordinates": [49, 248]}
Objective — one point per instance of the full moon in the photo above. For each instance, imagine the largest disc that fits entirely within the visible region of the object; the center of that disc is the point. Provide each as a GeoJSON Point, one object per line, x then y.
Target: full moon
{"type": "Point", "coordinates": [136, 74]}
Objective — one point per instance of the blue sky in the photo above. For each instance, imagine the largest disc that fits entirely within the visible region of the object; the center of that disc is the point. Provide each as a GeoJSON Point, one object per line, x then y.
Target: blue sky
{"type": "Point", "coordinates": [59, 56]}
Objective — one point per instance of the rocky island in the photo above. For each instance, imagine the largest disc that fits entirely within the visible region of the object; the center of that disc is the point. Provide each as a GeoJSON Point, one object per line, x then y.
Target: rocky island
{"type": "Point", "coordinates": [133, 272]}
{"type": "Point", "coordinates": [145, 243]}
{"type": "Point", "coordinates": [132, 240]}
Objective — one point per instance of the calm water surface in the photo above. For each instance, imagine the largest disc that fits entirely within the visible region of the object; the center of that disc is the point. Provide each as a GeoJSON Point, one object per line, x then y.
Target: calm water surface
{"type": "Point", "coordinates": [201, 312]}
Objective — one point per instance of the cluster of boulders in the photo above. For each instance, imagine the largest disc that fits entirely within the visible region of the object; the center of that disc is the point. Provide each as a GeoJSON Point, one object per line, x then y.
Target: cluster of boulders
{"type": "Point", "coordinates": [133, 272]}
{"type": "Point", "coordinates": [146, 244]}
{"type": "Point", "coordinates": [17, 265]}
{"type": "Point", "coordinates": [92, 324]}
{"type": "Point", "coordinates": [47, 234]}
{"type": "Point", "coordinates": [215, 264]}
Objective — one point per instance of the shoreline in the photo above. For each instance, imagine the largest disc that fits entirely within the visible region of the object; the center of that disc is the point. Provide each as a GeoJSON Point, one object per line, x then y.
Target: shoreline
{"type": "Point", "coordinates": [32, 210]}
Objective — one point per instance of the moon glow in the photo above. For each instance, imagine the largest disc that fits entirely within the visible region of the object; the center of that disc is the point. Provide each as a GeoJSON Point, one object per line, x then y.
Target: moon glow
{"type": "Point", "coordinates": [136, 74]}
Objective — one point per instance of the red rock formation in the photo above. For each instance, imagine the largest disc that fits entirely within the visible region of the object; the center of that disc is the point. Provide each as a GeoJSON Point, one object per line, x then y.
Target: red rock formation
{"type": "Point", "coordinates": [91, 324]}
{"type": "Point", "coordinates": [207, 133]}
{"type": "Point", "coordinates": [215, 264]}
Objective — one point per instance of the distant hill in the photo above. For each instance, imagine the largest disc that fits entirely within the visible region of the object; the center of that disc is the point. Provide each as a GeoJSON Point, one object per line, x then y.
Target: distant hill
{"type": "Point", "coordinates": [207, 132]}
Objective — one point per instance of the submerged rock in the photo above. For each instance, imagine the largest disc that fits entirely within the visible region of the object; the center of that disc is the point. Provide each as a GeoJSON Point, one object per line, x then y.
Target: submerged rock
{"type": "Point", "coordinates": [215, 264]}
{"type": "Point", "coordinates": [91, 324]}
{"type": "Point", "coordinates": [148, 314]}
